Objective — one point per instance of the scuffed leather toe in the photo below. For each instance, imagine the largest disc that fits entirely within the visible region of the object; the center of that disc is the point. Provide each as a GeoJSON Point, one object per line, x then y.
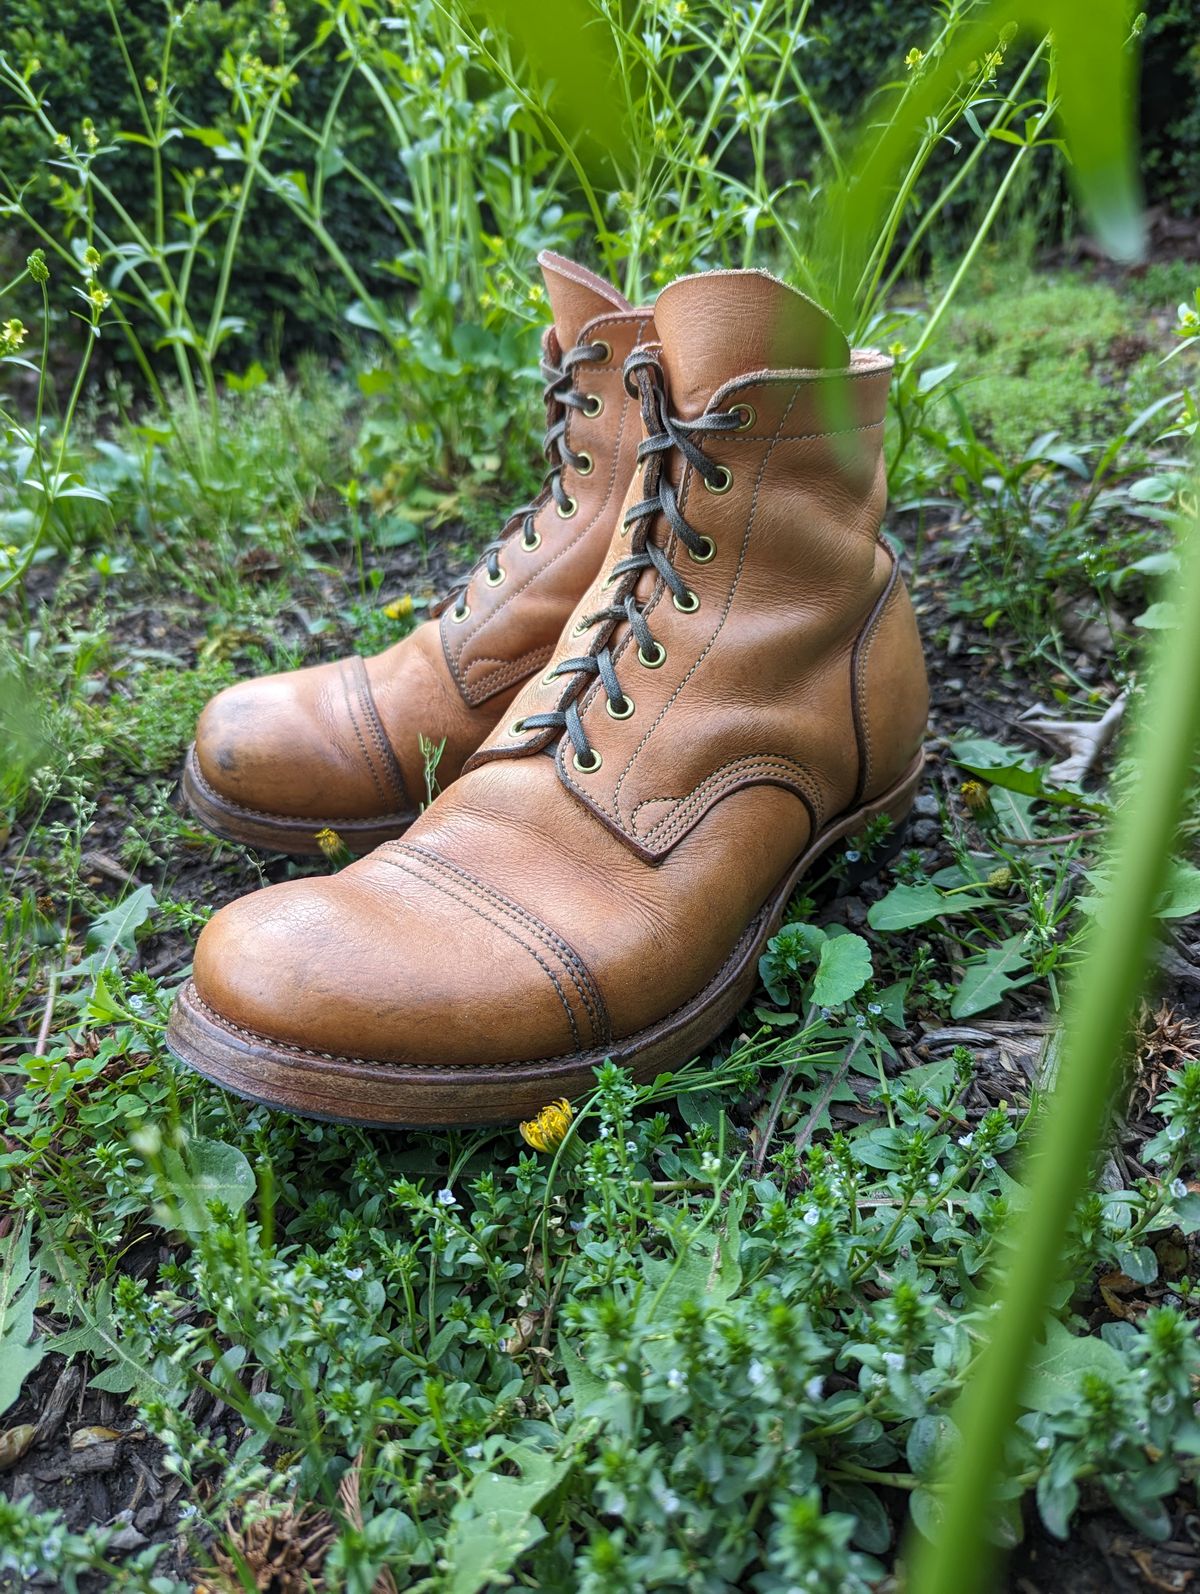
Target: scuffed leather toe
{"type": "Point", "coordinates": [394, 963]}
{"type": "Point", "coordinates": [305, 745]}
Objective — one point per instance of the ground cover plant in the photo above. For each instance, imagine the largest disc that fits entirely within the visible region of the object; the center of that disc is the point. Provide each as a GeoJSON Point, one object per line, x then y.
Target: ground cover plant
{"type": "Point", "coordinates": [702, 1334]}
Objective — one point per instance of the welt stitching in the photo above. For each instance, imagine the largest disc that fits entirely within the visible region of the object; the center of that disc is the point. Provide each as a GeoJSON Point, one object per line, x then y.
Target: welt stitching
{"type": "Point", "coordinates": [358, 736]}
{"type": "Point", "coordinates": [576, 968]}
{"type": "Point", "coordinates": [440, 885]}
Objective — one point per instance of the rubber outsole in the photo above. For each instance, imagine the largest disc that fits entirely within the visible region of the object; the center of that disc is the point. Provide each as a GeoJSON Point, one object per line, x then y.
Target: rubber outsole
{"type": "Point", "coordinates": [416, 1096]}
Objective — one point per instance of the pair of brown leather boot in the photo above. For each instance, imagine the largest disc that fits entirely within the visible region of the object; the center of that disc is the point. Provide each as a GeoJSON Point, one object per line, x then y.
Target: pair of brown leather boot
{"type": "Point", "coordinates": [673, 683]}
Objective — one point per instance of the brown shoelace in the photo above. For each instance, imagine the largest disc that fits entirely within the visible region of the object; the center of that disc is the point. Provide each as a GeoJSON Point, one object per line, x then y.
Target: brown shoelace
{"type": "Point", "coordinates": [561, 394]}
{"type": "Point", "coordinates": [644, 379]}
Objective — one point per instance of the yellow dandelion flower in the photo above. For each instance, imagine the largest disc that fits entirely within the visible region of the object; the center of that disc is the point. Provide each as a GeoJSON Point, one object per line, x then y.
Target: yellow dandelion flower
{"type": "Point", "coordinates": [399, 608]}
{"type": "Point", "coordinates": [330, 843]}
{"type": "Point", "coordinates": [975, 794]}
{"type": "Point", "coordinates": [99, 297]}
{"type": "Point", "coordinates": [548, 1130]}
{"type": "Point", "coordinates": [12, 335]}
{"type": "Point", "coordinates": [914, 58]}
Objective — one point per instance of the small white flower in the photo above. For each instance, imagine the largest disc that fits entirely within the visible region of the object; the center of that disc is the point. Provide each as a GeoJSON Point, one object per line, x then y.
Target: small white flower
{"type": "Point", "coordinates": [966, 1141]}
{"type": "Point", "coordinates": [1175, 1130]}
{"type": "Point", "coordinates": [447, 1197]}
{"type": "Point", "coordinates": [631, 1145]}
{"type": "Point", "coordinates": [473, 1452]}
{"type": "Point", "coordinates": [1178, 1189]}
{"type": "Point", "coordinates": [354, 1274]}
{"type": "Point", "coordinates": [675, 1379]}
{"type": "Point", "coordinates": [860, 1021]}
{"type": "Point", "coordinates": [874, 1007]}
{"type": "Point", "coordinates": [812, 1216]}
{"type": "Point", "coordinates": [710, 1163]}
{"type": "Point", "coordinates": [852, 856]}
{"type": "Point", "coordinates": [670, 1502]}
{"type": "Point", "coordinates": [756, 1373]}
{"type": "Point", "coordinates": [1044, 1443]}
{"type": "Point", "coordinates": [935, 1179]}
{"type": "Point", "coordinates": [893, 1361]}
{"type": "Point", "coordinates": [814, 1388]}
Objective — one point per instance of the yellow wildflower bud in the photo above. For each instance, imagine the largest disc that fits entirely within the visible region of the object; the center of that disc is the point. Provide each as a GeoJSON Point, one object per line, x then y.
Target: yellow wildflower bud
{"type": "Point", "coordinates": [12, 335]}
{"type": "Point", "coordinates": [99, 297]}
{"type": "Point", "coordinates": [975, 794]}
{"type": "Point", "coordinates": [999, 879]}
{"type": "Point", "coordinates": [37, 267]}
{"type": "Point", "coordinates": [914, 58]}
{"type": "Point", "coordinates": [548, 1130]}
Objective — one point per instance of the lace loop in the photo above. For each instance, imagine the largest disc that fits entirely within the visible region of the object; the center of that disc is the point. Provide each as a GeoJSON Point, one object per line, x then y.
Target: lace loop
{"type": "Point", "coordinates": [560, 396]}
{"type": "Point", "coordinates": [644, 379]}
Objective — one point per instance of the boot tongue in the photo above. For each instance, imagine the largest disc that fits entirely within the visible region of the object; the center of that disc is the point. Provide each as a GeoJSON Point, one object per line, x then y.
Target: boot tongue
{"type": "Point", "coordinates": [724, 324]}
{"type": "Point", "coordinates": [576, 295]}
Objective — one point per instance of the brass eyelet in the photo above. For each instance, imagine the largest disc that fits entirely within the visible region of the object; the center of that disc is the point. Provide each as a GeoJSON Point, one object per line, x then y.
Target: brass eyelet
{"type": "Point", "coordinates": [581, 468]}
{"type": "Point", "coordinates": [706, 553]}
{"type": "Point", "coordinates": [687, 608]}
{"type": "Point", "coordinates": [517, 728]}
{"type": "Point", "coordinates": [457, 616]}
{"type": "Point", "coordinates": [565, 514]}
{"type": "Point", "coordinates": [723, 482]}
{"type": "Point", "coordinates": [588, 769]}
{"type": "Point", "coordinates": [498, 579]}
{"type": "Point", "coordinates": [593, 405]}
{"type": "Point", "coordinates": [580, 627]}
{"type": "Point", "coordinates": [750, 414]}
{"type": "Point", "coordinates": [657, 661]}
{"type": "Point", "coordinates": [610, 580]}
{"type": "Point", "coordinates": [624, 712]}
{"type": "Point", "coordinates": [529, 544]}
{"type": "Point", "coordinates": [550, 678]}
{"type": "Point", "coordinates": [601, 343]}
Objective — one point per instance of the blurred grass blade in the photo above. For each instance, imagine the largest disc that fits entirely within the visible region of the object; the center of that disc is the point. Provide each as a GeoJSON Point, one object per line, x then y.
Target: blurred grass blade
{"type": "Point", "coordinates": [570, 55]}
{"type": "Point", "coordinates": [1100, 1012]}
{"type": "Point", "coordinates": [1092, 80]}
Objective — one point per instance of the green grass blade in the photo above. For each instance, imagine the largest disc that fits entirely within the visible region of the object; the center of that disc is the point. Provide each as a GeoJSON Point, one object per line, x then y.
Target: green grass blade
{"type": "Point", "coordinates": [1100, 1010]}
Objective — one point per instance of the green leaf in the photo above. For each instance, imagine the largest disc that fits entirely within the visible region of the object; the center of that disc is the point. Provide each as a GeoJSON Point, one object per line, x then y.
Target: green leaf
{"type": "Point", "coordinates": [495, 1522]}
{"type": "Point", "coordinates": [988, 979]}
{"type": "Point", "coordinates": [844, 968]}
{"type": "Point", "coordinates": [906, 906]}
{"type": "Point", "coordinates": [98, 1336]}
{"type": "Point", "coordinates": [1182, 896]}
{"type": "Point", "coordinates": [1055, 1368]}
{"type": "Point", "coordinates": [20, 1353]}
{"type": "Point", "coordinates": [114, 932]}
{"type": "Point", "coordinates": [213, 1172]}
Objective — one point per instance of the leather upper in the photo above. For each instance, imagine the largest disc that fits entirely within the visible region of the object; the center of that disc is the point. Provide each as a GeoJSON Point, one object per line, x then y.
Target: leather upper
{"type": "Point", "coordinates": [535, 911]}
{"type": "Point", "coordinates": [342, 740]}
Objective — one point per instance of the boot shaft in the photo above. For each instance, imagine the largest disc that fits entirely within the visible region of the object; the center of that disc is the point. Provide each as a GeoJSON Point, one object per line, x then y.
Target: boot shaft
{"type": "Point", "coordinates": [784, 649]}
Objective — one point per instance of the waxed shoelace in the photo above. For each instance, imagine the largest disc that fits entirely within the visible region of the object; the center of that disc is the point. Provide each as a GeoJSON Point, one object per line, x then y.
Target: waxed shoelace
{"type": "Point", "coordinates": [560, 390]}
{"type": "Point", "coordinates": [645, 379]}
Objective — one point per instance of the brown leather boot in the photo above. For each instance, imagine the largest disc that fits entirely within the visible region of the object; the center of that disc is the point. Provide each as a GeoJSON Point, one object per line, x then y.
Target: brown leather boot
{"type": "Point", "coordinates": [741, 689]}
{"type": "Point", "coordinates": [337, 746]}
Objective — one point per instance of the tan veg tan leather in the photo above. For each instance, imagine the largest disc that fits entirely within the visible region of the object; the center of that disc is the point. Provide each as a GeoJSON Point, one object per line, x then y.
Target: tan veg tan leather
{"type": "Point", "coordinates": [337, 746]}
{"type": "Point", "coordinates": [548, 912]}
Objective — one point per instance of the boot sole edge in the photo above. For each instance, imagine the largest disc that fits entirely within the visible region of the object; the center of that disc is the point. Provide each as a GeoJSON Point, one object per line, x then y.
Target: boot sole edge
{"type": "Point", "coordinates": [230, 821]}
{"type": "Point", "coordinates": [420, 1096]}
